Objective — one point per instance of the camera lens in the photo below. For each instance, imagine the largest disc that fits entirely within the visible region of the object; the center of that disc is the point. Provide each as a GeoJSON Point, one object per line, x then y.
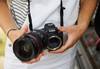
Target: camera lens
{"type": "Point", "coordinates": [25, 49]}
{"type": "Point", "coordinates": [54, 42]}
{"type": "Point", "coordinates": [30, 45]}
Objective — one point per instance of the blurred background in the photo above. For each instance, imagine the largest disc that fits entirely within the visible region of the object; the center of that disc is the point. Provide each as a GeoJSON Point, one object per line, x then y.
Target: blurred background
{"type": "Point", "coordinates": [2, 47]}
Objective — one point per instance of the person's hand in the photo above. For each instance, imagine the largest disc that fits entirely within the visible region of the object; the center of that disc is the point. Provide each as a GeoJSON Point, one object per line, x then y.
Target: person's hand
{"type": "Point", "coordinates": [74, 33]}
{"type": "Point", "coordinates": [35, 59]}
{"type": "Point", "coordinates": [15, 34]}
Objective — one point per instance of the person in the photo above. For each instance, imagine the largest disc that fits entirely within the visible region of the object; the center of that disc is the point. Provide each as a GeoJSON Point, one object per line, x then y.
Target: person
{"type": "Point", "coordinates": [42, 12]}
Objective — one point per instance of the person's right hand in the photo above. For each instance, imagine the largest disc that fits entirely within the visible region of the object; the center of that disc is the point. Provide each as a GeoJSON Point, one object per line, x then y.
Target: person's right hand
{"type": "Point", "coordinates": [15, 34]}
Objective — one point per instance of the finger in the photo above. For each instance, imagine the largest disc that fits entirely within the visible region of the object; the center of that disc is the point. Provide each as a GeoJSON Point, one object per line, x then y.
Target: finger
{"type": "Point", "coordinates": [39, 57]}
{"type": "Point", "coordinates": [36, 59]}
{"type": "Point", "coordinates": [30, 62]}
{"type": "Point", "coordinates": [62, 29]}
{"type": "Point", "coordinates": [24, 28]}
{"type": "Point", "coordinates": [67, 29]}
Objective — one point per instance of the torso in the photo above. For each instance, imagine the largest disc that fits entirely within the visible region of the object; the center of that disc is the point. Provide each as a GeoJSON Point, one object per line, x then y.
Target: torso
{"type": "Point", "coordinates": [51, 61]}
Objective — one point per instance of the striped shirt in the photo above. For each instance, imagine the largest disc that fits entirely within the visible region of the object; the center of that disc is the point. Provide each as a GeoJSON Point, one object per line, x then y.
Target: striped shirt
{"type": "Point", "coordinates": [19, 9]}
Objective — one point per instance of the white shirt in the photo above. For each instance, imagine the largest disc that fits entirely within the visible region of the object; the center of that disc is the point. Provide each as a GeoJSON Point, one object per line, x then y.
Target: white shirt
{"type": "Point", "coordinates": [49, 11]}
{"type": "Point", "coordinates": [45, 11]}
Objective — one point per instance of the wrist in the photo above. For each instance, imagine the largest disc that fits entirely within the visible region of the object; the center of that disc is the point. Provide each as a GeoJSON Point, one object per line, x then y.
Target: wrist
{"type": "Point", "coordinates": [81, 29]}
{"type": "Point", "coordinates": [10, 30]}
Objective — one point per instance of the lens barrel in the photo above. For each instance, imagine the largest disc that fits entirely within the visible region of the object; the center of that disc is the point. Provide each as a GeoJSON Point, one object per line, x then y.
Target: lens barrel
{"type": "Point", "coordinates": [28, 46]}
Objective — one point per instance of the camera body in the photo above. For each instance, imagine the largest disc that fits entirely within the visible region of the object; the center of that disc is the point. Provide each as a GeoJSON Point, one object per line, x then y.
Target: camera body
{"type": "Point", "coordinates": [31, 44]}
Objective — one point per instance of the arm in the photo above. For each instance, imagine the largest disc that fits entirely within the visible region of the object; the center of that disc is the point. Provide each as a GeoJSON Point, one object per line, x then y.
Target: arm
{"type": "Point", "coordinates": [87, 8]}
{"type": "Point", "coordinates": [75, 32]}
{"type": "Point", "coordinates": [7, 22]}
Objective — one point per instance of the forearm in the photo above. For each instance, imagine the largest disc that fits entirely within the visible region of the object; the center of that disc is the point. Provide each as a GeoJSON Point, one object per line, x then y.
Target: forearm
{"type": "Point", "coordinates": [87, 8]}
{"type": "Point", "coordinates": [6, 20]}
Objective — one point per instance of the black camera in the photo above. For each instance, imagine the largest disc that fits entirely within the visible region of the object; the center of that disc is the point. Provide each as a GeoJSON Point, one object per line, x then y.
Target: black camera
{"type": "Point", "coordinates": [31, 44]}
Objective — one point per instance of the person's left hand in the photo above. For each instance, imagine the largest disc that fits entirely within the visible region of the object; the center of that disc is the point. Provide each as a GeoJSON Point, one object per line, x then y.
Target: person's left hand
{"type": "Point", "coordinates": [74, 33]}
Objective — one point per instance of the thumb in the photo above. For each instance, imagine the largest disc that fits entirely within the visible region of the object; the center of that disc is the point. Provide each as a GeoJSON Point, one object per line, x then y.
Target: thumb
{"type": "Point", "coordinates": [24, 28]}
{"type": "Point", "coordinates": [67, 29]}
{"type": "Point", "coordinates": [63, 29]}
